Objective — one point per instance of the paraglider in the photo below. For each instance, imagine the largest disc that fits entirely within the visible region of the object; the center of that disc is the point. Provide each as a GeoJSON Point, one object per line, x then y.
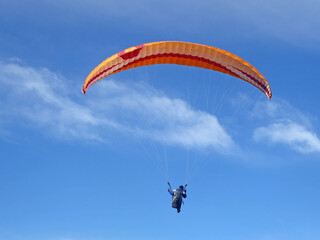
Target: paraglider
{"type": "Point", "coordinates": [177, 195]}
{"type": "Point", "coordinates": [179, 53]}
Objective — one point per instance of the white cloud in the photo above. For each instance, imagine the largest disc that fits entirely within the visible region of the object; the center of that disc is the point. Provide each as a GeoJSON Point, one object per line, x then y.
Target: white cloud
{"type": "Point", "coordinates": [290, 133]}
{"type": "Point", "coordinates": [48, 102]}
{"type": "Point", "coordinates": [286, 125]}
{"type": "Point", "coordinates": [40, 97]}
{"type": "Point", "coordinates": [153, 114]}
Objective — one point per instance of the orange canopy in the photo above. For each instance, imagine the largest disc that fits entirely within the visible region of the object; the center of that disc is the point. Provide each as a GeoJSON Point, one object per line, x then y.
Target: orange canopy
{"type": "Point", "coordinates": [181, 53]}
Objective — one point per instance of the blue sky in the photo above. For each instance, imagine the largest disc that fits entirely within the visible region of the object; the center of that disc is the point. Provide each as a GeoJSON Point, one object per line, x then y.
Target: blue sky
{"type": "Point", "coordinates": [77, 167]}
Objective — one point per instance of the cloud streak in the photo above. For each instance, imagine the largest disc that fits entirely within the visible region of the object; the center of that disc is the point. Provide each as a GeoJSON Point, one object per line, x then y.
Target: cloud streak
{"type": "Point", "coordinates": [40, 97]}
{"type": "Point", "coordinates": [157, 116]}
{"type": "Point", "coordinates": [287, 125]}
{"type": "Point", "coordinates": [289, 133]}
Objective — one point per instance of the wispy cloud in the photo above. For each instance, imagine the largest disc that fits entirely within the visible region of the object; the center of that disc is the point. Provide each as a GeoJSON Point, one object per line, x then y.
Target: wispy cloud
{"type": "Point", "coordinates": [290, 133]}
{"type": "Point", "coordinates": [286, 125]}
{"type": "Point", "coordinates": [41, 98]}
{"type": "Point", "coordinates": [280, 109]}
{"type": "Point", "coordinates": [48, 101]}
{"type": "Point", "coordinates": [157, 116]}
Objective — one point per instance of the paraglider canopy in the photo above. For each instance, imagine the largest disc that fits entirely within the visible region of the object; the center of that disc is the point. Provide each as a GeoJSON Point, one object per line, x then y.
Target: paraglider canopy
{"type": "Point", "coordinates": [180, 53]}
